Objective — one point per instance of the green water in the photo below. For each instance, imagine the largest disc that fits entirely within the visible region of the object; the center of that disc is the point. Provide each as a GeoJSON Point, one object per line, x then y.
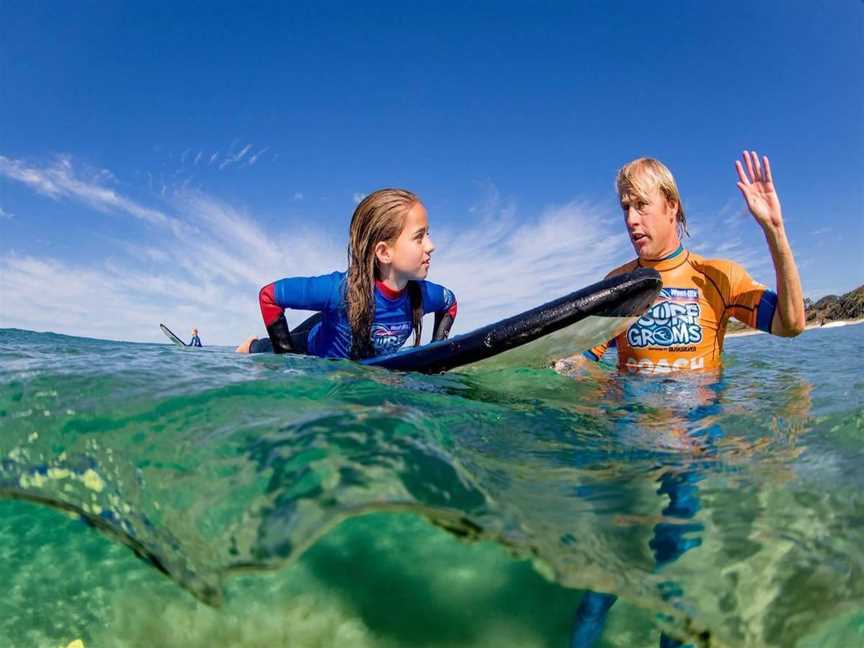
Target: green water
{"type": "Point", "coordinates": [316, 503]}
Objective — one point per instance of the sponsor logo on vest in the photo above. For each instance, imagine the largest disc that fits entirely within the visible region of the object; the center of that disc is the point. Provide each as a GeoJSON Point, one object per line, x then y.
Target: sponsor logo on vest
{"type": "Point", "coordinates": [388, 338]}
{"type": "Point", "coordinates": [680, 294]}
{"type": "Point", "coordinates": [667, 324]}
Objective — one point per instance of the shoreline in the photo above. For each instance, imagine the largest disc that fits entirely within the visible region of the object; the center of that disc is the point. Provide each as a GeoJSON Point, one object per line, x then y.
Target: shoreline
{"type": "Point", "coordinates": [808, 327]}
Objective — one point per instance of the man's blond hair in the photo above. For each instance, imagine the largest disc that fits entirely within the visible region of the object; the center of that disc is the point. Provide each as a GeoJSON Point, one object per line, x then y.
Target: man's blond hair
{"type": "Point", "coordinates": [640, 176]}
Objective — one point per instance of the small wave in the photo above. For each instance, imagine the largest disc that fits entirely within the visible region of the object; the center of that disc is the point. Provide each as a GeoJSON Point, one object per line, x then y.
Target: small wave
{"type": "Point", "coordinates": [213, 465]}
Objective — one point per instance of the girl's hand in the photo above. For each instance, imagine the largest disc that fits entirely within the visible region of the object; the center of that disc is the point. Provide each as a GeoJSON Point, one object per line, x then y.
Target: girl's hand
{"type": "Point", "coordinates": [757, 187]}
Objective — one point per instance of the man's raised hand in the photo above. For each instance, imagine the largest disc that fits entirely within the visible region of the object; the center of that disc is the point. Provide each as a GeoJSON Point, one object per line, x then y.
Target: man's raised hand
{"type": "Point", "coordinates": [757, 187]}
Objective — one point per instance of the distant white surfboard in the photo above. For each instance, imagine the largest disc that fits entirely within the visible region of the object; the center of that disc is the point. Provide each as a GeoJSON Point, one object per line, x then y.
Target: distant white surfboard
{"type": "Point", "coordinates": [176, 340]}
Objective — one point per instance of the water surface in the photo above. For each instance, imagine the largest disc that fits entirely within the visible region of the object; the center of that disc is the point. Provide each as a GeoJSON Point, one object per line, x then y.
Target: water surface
{"type": "Point", "coordinates": [274, 501]}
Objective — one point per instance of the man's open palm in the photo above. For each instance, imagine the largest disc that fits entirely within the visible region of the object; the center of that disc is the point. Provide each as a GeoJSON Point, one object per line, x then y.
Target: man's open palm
{"type": "Point", "coordinates": [757, 187]}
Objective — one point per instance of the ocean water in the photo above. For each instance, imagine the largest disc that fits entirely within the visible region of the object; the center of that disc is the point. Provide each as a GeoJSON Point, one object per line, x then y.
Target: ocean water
{"type": "Point", "coordinates": [152, 496]}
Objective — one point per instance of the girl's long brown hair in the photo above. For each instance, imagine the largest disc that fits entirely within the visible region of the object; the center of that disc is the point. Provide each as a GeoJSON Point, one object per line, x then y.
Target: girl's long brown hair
{"type": "Point", "coordinates": [380, 216]}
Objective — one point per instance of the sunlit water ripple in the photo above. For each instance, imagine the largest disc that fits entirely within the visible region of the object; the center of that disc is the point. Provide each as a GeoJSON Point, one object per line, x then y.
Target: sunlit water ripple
{"type": "Point", "coordinates": [727, 510]}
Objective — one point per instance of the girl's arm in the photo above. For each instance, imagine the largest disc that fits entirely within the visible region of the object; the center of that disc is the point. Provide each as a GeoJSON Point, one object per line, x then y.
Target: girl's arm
{"type": "Point", "coordinates": [303, 293]}
{"type": "Point", "coordinates": [443, 323]}
{"type": "Point", "coordinates": [441, 301]}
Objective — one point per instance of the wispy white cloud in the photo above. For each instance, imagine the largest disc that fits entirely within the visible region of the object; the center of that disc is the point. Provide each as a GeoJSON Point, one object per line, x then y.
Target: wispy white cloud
{"type": "Point", "coordinates": [235, 158]}
{"type": "Point", "coordinates": [357, 197]}
{"type": "Point", "coordinates": [114, 302]}
{"type": "Point", "coordinates": [243, 157]}
{"type": "Point", "coordinates": [5, 215]}
{"type": "Point", "coordinates": [206, 270]}
{"type": "Point", "coordinates": [505, 263]}
{"type": "Point", "coordinates": [731, 233]}
{"type": "Point", "coordinates": [254, 158]}
{"type": "Point", "coordinates": [822, 231]}
{"type": "Point", "coordinates": [733, 213]}
{"type": "Point", "coordinates": [60, 181]}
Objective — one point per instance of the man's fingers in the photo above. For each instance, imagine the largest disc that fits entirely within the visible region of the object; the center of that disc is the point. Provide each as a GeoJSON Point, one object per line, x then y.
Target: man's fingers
{"type": "Point", "coordinates": [768, 176]}
{"type": "Point", "coordinates": [758, 176]}
{"type": "Point", "coordinates": [741, 175]}
{"type": "Point", "coordinates": [749, 166]}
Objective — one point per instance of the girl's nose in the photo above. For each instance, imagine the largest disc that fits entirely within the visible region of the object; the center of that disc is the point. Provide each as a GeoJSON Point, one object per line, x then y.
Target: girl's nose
{"type": "Point", "coordinates": [430, 246]}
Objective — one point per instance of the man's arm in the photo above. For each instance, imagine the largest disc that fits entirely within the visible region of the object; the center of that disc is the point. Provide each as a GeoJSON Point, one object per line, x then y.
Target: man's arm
{"type": "Point", "coordinates": [789, 317]}
{"type": "Point", "coordinates": [582, 365]}
{"type": "Point", "coordinates": [757, 187]}
{"type": "Point", "coordinates": [572, 365]}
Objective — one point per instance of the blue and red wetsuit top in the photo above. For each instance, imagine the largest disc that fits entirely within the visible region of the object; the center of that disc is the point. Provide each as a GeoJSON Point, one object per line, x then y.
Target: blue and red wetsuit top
{"type": "Point", "coordinates": [331, 337]}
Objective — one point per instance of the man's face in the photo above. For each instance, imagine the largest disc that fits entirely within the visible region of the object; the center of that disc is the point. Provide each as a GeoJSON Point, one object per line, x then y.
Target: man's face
{"type": "Point", "coordinates": [651, 224]}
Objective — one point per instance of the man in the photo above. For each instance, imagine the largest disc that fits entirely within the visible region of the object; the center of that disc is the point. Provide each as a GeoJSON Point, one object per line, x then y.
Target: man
{"type": "Point", "coordinates": [195, 341]}
{"type": "Point", "coordinates": [684, 329]}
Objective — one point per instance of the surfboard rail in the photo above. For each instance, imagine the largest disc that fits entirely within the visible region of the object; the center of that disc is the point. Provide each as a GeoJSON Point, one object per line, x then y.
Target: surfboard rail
{"type": "Point", "coordinates": [624, 296]}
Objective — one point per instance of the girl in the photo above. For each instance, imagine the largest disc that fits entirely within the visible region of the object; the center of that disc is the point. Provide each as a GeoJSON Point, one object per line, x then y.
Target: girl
{"type": "Point", "coordinates": [372, 308]}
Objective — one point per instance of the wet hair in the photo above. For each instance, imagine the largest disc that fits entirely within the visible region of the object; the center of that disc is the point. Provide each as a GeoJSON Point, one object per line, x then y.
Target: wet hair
{"type": "Point", "coordinates": [638, 177]}
{"type": "Point", "coordinates": [380, 217]}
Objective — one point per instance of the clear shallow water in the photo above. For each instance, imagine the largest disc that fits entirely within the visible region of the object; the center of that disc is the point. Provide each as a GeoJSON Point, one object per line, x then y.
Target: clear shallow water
{"type": "Point", "coordinates": [322, 503]}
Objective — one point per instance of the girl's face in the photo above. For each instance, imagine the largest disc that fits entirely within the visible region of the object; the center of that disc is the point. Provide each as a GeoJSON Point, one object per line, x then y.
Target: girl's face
{"type": "Point", "coordinates": [651, 224]}
{"type": "Point", "coordinates": [410, 254]}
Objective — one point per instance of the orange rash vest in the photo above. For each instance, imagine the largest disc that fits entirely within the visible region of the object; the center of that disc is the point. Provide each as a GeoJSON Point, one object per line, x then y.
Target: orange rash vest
{"type": "Point", "coordinates": [685, 327]}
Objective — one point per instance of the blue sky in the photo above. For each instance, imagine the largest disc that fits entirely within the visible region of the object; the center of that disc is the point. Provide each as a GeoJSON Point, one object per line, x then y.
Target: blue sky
{"type": "Point", "coordinates": [160, 162]}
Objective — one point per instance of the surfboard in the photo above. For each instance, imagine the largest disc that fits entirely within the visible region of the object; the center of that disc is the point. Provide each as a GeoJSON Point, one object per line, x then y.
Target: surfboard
{"type": "Point", "coordinates": [559, 328]}
{"type": "Point", "coordinates": [176, 340]}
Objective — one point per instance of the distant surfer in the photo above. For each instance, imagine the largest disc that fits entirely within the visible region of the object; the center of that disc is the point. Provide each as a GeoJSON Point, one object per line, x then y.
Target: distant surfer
{"type": "Point", "coordinates": [195, 341]}
{"type": "Point", "coordinates": [684, 329]}
{"type": "Point", "coordinates": [378, 303]}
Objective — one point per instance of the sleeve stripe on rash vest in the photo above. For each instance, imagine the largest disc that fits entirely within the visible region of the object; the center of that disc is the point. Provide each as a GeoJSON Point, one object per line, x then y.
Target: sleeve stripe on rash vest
{"type": "Point", "coordinates": [590, 355]}
{"type": "Point", "coordinates": [765, 311]}
{"type": "Point", "coordinates": [270, 310]}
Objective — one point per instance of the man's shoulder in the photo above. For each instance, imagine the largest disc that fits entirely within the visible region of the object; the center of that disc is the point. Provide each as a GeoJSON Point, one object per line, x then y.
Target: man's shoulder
{"type": "Point", "coordinates": [630, 266]}
{"type": "Point", "coordinates": [725, 267]}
